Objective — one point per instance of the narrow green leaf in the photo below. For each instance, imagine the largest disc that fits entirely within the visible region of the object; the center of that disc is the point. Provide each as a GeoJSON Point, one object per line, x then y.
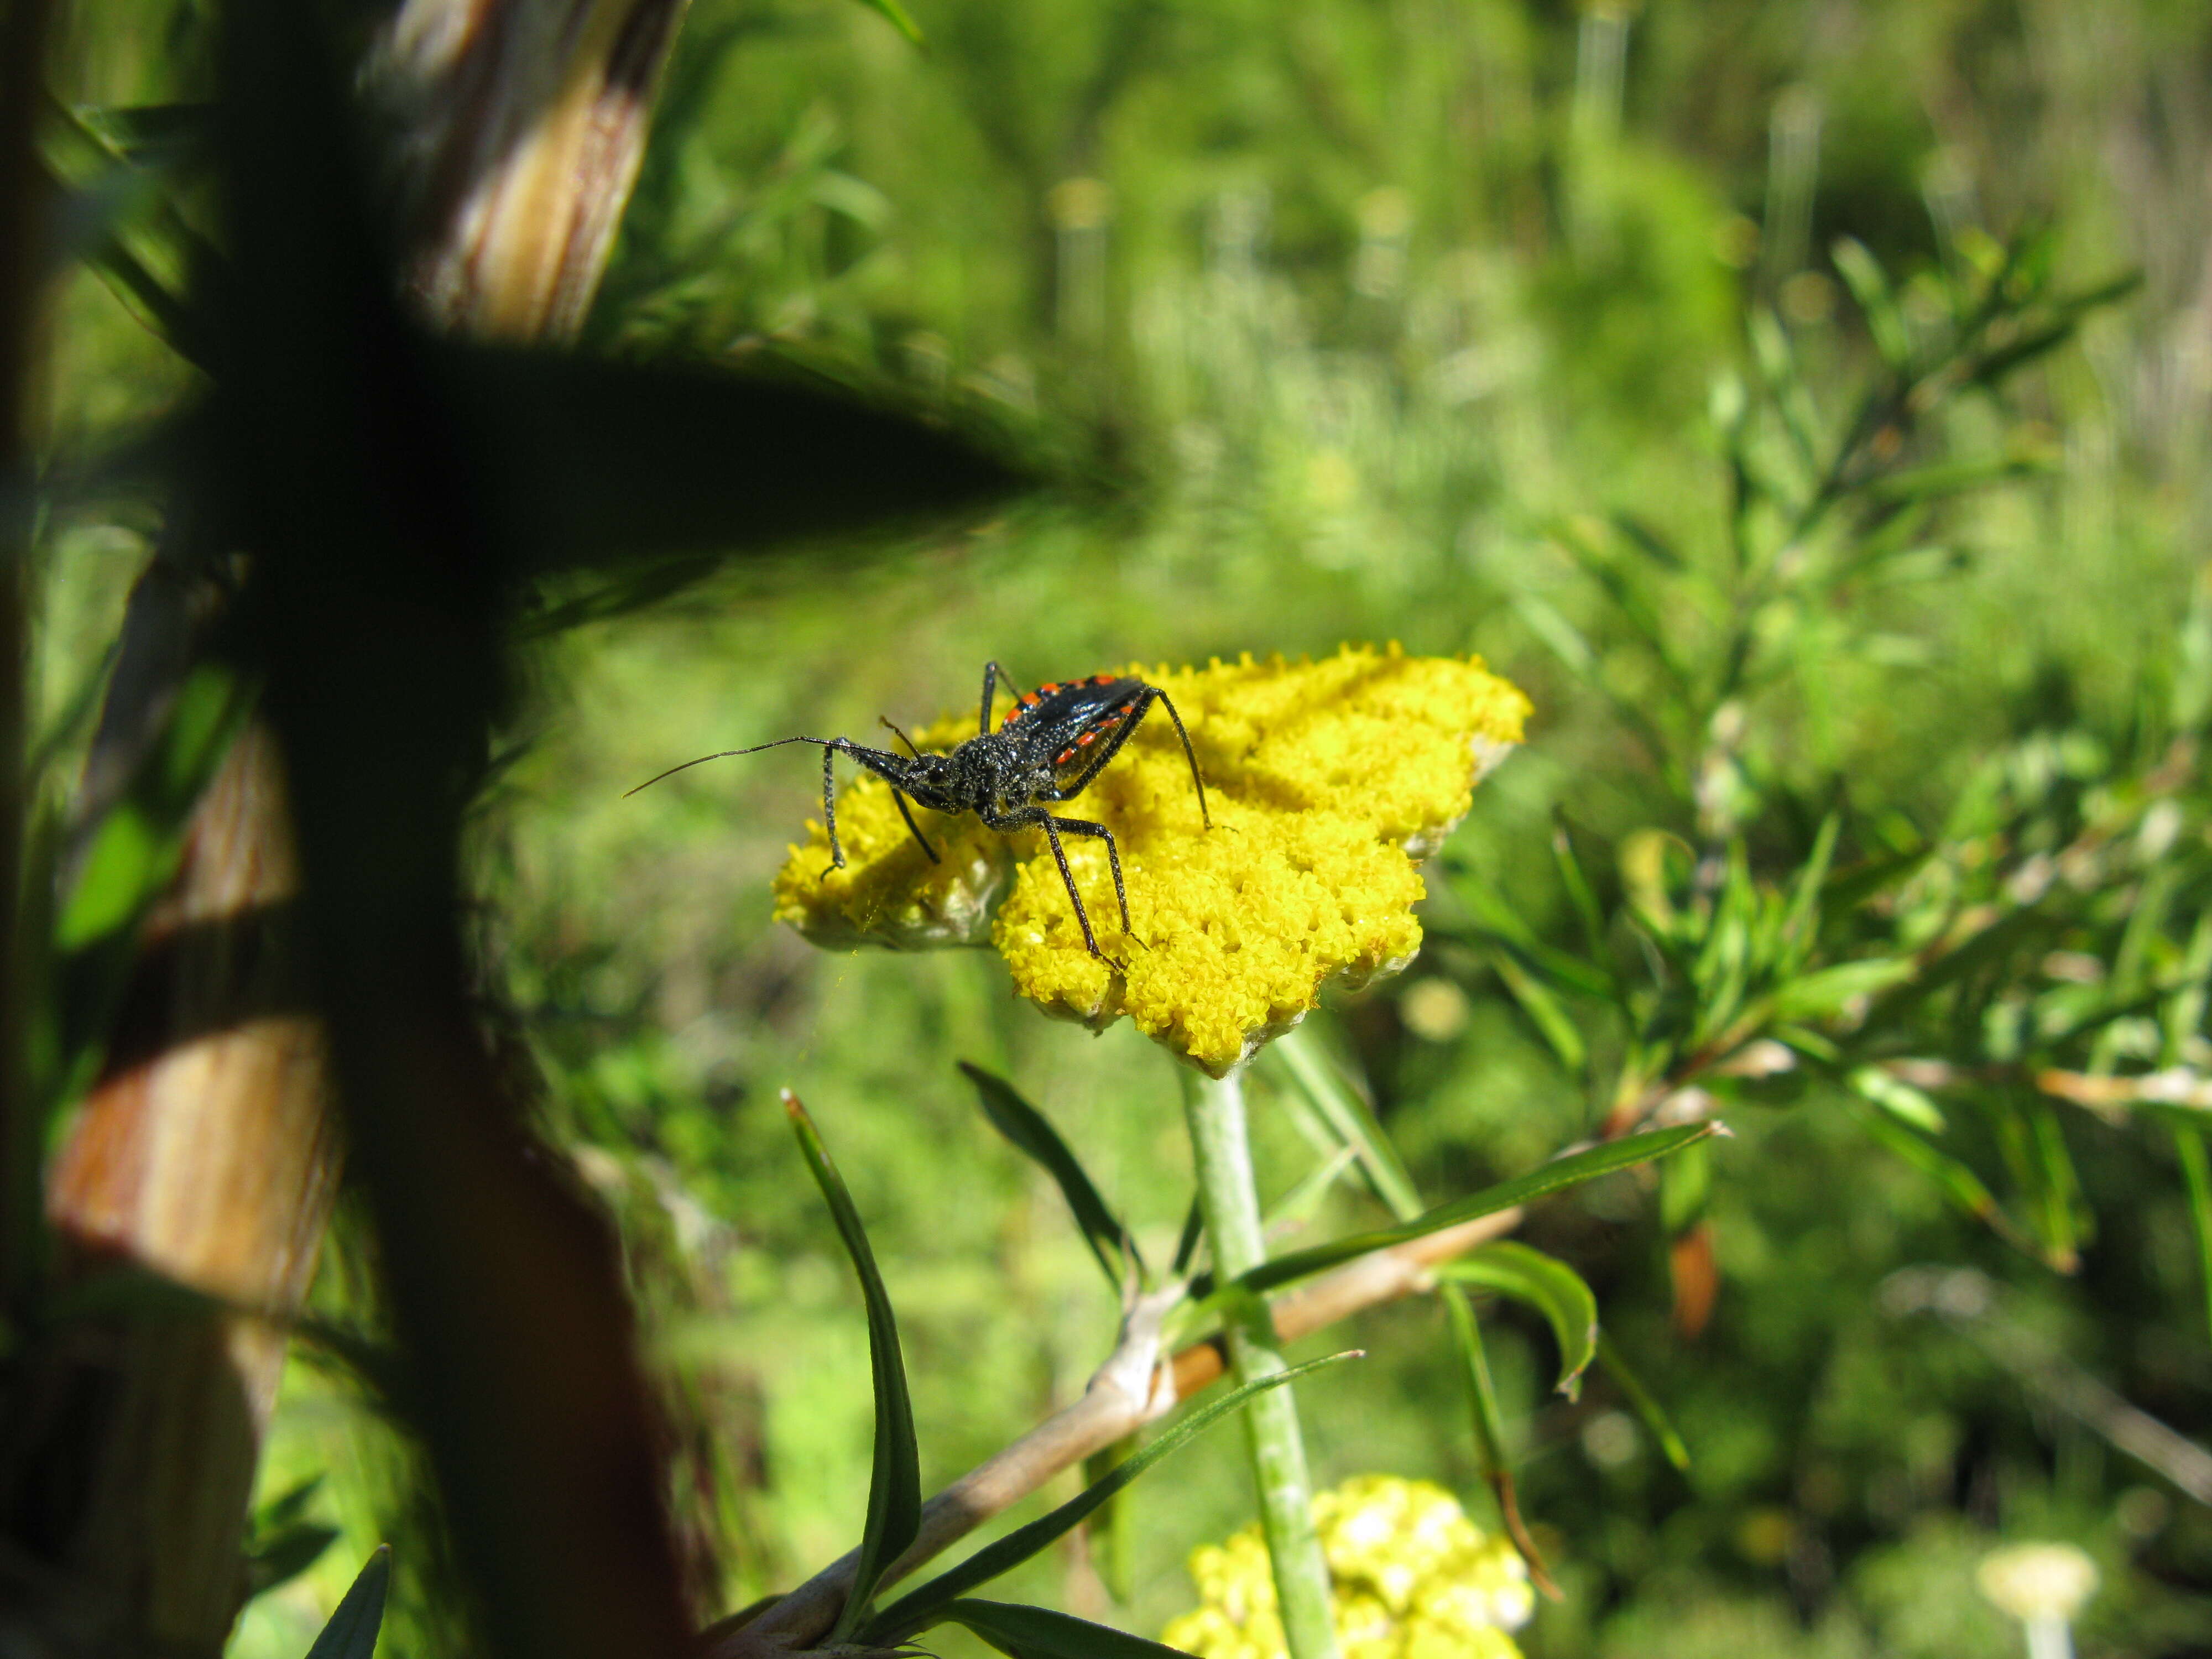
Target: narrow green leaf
{"type": "Point", "coordinates": [2196, 1175]}
{"type": "Point", "coordinates": [1993, 366]}
{"type": "Point", "coordinates": [1863, 274]}
{"type": "Point", "coordinates": [1633, 604]}
{"type": "Point", "coordinates": [1722, 969]}
{"type": "Point", "coordinates": [1496, 916]}
{"type": "Point", "coordinates": [2190, 986]}
{"type": "Point", "coordinates": [1187, 1242]}
{"type": "Point", "coordinates": [2013, 932]}
{"type": "Point", "coordinates": [1550, 625]}
{"type": "Point", "coordinates": [1111, 1529]}
{"type": "Point", "coordinates": [1778, 367]}
{"type": "Point", "coordinates": [1908, 1105]}
{"type": "Point", "coordinates": [1546, 1284]}
{"type": "Point", "coordinates": [898, 17]}
{"type": "Point", "coordinates": [1297, 1206]}
{"type": "Point", "coordinates": [1581, 893]}
{"type": "Point", "coordinates": [1853, 885]}
{"type": "Point", "coordinates": [1931, 484]}
{"type": "Point", "coordinates": [1586, 1165]}
{"type": "Point", "coordinates": [1642, 1402]}
{"type": "Point", "coordinates": [1347, 1115]}
{"type": "Point", "coordinates": [169, 319]}
{"type": "Point", "coordinates": [129, 1292]}
{"type": "Point", "coordinates": [1484, 1411]}
{"type": "Point", "coordinates": [283, 1555]}
{"type": "Point", "coordinates": [1685, 1186]}
{"type": "Point", "coordinates": [127, 862]}
{"type": "Point", "coordinates": [1110, 1242]}
{"type": "Point", "coordinates": [1040, 1633]}
{"type": "Point", "coordinates": [925, 1607]}
{"type": "Point", "coordinates": [129, 858]}
{"type": "Point", "coordinates": [895, 1482]}
{"type": "Point", "coordinates": [2064, 1222]}
{"type": "Point", "coordinates": [1552, 1021]}
{"type": "Point", "coordinates": [286, 1507]}
{"type": "Point", "coordinates": [1801, 924]}
{"type": "Point", "coordinates": [149, 134]}
{"type": "Point", "coordinates": [351, 1633]}
{"type": "Point", "coordinates": [2105, 293]}
{"type": "Point", "coordinates": [1649, 542]}
{"type": "Point", "coordinates": [1954, 1179]}
{"type": "Point", "coordinates": [1826, 992]}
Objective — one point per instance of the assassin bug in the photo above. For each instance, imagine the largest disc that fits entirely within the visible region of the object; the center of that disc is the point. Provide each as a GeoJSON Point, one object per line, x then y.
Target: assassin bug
{"type": "Point", "coordinates": [1052, 743]}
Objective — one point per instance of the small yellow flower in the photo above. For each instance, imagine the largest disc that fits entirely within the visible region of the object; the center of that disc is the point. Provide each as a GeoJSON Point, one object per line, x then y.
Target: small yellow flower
{"type": "Point", "coordinates": [1411, 1577]}
{"type": "Point", "coordinates": [1327, 781]}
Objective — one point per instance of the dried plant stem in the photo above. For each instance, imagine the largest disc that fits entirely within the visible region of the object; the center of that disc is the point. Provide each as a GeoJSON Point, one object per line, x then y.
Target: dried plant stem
{"type": "Point", "coordinates": [1104, 1414]}
{"type": "Point", "coordinates": [1221, 1150]}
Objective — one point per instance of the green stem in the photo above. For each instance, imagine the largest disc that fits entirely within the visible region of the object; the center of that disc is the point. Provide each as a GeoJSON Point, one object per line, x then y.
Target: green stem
{"type": "Point", "coordinates": [1222, 1154]}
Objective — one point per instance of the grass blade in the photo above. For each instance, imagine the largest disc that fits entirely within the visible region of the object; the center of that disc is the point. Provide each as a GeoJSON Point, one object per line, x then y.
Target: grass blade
{"type": "Point", "coordinates": [1643, 1403]}
{"type": "Point", "coordinates": [895, 1482]}
{"type": "Point", "coordinates": [2197, 1173]}
{"type": "Point", "coordinates": [898, 17]}
{"type": "Point", "coordinates": [1490, 1433]}
{"type": "Point", "coordinates": [1040, 1633]}
{"type": "Point", "coordinates": [1960, 1184]}
{"type": "Point", "coordinates": [1553, 1022]}
{"type": "Point", "coordinates": [1347, 1114]}
{"type": "Point", "coordinates": [925, 1607]}
{"type": "Point", "coordinates": [1188, 1241]}
{"type": "Point", "coordinates": [1586, 1165]}
{"type": "Point", "coordinates": [1028, 1128]}
{"type": "Point", "coordinates": [1111, 1531]}
{"type": "Point", "coordinates": [351, 1633]}
{"type": "Point", "coordinates": [1546, 1284]}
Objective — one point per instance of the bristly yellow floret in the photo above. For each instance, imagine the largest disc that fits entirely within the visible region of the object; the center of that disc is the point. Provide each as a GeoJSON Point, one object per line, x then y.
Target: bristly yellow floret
{"type": "Point", "coordinates": [1411, 1577]}
{"type": "Point", "coordinates": [1327, 781]}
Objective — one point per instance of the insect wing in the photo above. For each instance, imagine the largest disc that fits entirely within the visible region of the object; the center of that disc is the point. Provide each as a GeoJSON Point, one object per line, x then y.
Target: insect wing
{"type": "Point", "coordinates": [1081, 751]}
{"type": "Point", "coordinates": [1068, 705]}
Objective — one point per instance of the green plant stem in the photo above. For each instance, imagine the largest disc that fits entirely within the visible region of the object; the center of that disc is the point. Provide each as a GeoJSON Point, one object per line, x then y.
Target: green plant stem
{"type": "Point", "coordinates": [1222, 1154]}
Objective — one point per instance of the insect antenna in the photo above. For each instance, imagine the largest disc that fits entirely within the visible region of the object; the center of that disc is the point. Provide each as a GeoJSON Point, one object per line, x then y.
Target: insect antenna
{"type": "Point", "coordinates": [724, 754]}
{"type": "Point", "coordinates": [894, 731]}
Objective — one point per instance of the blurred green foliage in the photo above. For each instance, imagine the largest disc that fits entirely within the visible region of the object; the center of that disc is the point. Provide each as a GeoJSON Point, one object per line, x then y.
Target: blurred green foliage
{"type": "Point", "coordinates": [1499, 326]}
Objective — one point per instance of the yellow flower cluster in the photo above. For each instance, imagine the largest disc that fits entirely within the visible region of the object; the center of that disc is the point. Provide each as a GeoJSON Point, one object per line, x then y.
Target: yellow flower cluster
{"type": "Point", "coordinates": [1328, 780]}
{"type": "Point", "coordinates": [1413, 1578]}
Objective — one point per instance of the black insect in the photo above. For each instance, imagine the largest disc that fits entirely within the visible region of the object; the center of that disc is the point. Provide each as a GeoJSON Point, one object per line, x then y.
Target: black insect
{"type": "Point", "coordinates": [1052, 743]}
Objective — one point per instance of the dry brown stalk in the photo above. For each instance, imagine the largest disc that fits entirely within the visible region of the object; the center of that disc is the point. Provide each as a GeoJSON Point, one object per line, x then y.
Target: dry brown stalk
{"type": "Point", "coordinates": [1106, 1412]}
{"type": "Point", "coordinates": [522, 127]}
{"type": "Point", "coordinates": [206, 1154]}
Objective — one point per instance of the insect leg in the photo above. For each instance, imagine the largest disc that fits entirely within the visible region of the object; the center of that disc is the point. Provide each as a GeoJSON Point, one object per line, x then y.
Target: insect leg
{"type": "Point", "coordinates": [829, 810]}
{"type": "Point", "coordinates": [1027, 815]}
{"type": "Point", "coordinates": [990, 690]}
{"type": "Point", "coordinates": [911, 824]}
{"type": "Point", "coordinates": [1197, 782]}
{"type": "Point", "coordinates": [1122, 733]}
{"type": "Point", "coordinates": [1084, 827]}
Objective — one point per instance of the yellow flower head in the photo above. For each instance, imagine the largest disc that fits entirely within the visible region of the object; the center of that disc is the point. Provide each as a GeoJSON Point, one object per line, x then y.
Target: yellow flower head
{"type": "Point", "coordinates": [1411, 1577]}
{"type": "Point", "coordinates": [1327, 781]}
